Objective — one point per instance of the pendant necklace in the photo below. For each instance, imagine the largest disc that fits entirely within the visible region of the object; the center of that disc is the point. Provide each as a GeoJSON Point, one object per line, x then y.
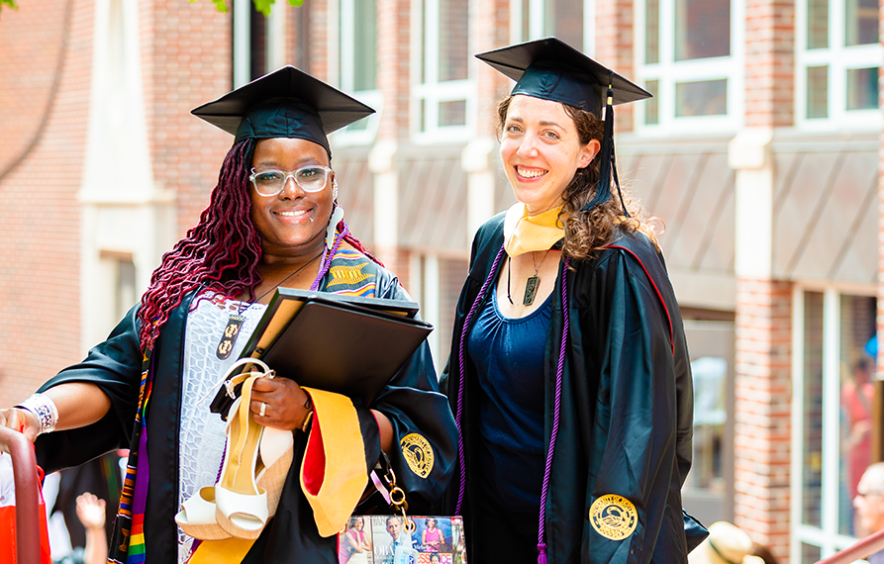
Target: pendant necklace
{"type": "Point", "coordinates": [531, 284]}
{"type": "Point", "coordinates": [234, 323]}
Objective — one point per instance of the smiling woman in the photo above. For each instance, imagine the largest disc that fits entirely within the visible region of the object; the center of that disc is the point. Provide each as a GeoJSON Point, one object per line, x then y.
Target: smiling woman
{"type": "Point", "coordinates": [569, 373]}
{"type": "Point", "coordinates": [273, 220]}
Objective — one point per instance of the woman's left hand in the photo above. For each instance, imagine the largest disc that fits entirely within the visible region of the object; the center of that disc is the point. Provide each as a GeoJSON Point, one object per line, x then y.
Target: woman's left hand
{"type": "Point", "coordinates": [286, 404]}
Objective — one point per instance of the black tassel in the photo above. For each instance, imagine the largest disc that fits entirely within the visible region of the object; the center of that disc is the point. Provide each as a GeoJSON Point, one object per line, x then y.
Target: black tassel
{"type": "Point", "coordinates": [606, 164]}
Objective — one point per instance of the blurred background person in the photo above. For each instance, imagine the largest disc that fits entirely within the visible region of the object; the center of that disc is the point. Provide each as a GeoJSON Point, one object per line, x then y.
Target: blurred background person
{"type": "Point", "coordinates": [869, 505]}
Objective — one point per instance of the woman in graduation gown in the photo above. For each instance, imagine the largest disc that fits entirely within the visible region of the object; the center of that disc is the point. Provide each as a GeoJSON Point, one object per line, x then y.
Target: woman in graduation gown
{"type": "Point", "coordinates": [569, 375]}
{"type": "Point", "coordinates": [273, 221]}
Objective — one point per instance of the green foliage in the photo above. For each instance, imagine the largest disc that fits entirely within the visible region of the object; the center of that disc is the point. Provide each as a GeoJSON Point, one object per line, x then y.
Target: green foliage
{"type": "Point", "coordinates": [11, 4]}
{"type": "Point", "coordinates": [262, 6]}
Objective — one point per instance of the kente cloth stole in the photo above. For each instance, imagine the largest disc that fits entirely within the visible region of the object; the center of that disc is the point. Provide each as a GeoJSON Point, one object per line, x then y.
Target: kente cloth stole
{"type": "Point", "coordinates": [350, 274]}
{"type": "Point", "coordinates": [128, 545]}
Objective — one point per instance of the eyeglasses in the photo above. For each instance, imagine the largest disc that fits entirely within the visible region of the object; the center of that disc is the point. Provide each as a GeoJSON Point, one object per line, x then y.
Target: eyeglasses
{"type": "Point", "coordinates": [311, 178]}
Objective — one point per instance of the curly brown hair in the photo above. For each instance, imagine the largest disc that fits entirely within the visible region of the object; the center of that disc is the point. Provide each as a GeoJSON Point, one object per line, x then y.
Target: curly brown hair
{"type": "Point", "coordinates": [588, 231]}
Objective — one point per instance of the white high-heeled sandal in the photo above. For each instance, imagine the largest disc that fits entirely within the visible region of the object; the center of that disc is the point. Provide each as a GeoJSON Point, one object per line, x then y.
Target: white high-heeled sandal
{"type": "Point", "coordinates": [200, 516]}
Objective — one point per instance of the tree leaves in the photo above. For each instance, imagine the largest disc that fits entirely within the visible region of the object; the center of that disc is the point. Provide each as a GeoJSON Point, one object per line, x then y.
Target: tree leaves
{"type": "Point", "coordinates": [262, 6]}
{"type": "Point", "coordinates": [11, 4]}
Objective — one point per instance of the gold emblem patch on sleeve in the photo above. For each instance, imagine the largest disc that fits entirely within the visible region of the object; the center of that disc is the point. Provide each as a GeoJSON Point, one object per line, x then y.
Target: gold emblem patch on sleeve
{"type": "Point", "coordinates": [418, 454]}
{"type": "Point", "coordinates": [613, 516]}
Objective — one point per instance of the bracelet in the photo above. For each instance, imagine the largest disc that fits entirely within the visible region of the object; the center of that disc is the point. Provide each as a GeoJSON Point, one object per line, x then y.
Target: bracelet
{"type": "Point", "coordinates": [307, 420]}
{"type": "Point", "coordinates": [44, 410]}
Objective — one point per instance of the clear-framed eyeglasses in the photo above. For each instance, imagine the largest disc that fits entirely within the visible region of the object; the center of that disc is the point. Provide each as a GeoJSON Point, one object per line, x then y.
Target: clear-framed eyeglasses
{"type": "Point", "coordinates": [311, 178]}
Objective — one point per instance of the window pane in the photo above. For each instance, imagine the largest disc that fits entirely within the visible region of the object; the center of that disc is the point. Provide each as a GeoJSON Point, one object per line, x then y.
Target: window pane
{"type": "Point", "coordinates": [862, 89]}
{"type": "Point", "coordinates": [861, 22]}
{"type": "Point", "coordinates": [702, 98]}
{"type": "Point", "coordinates": [702, 29]}
{"type": "Point", "coordinates": [810, 554]}
{"type": "Point", "coordinates": [423, 118]}
{"type": "Point", "coordinates": [812, 455]}
{"type": "Point", "coordinates": [710, 414]}
{"type": "Point", "coordinates": [817, 92]}
{"type": "Point", "coordinates": [365, 45]}
{"type": "Point", "coordinates": [454, 39]}
{"type": "Point", "coordinates": [857, 399]}
{"type": "Point", "coordinates": [652, 105]}
{"type": "Point", "coordinates": [564, 19]}
{"type": "Point", "coordinates": [526, 20]}
{"type": "Point", "coordinates": [453, 113]}
{"type": "Point", "coordinates": [652, 31]}
{"type": "Point", "coordinates": [817, 24]}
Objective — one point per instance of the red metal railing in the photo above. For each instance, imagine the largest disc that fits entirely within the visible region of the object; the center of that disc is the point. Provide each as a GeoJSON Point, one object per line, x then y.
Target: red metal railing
{"type": "Point", "coordinates": [862, 549]}
{"type": "Point", "coordinates": [27, 494]}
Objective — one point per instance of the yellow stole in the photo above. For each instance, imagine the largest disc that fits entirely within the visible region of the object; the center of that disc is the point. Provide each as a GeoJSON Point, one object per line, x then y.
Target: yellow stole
{"type": "Point", "coordinates": [525, 233]}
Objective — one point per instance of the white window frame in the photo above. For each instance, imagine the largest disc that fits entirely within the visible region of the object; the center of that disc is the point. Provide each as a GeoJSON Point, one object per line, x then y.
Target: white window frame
{"type": "Point", "coordinates": [537, 22]}
{"type": "Point", "coordinates": [839, 58]}
{"type": "Point", "coordinates": [668, 69]}
{"type": "Point", "coordinates": [341, 65]}
{"type": "Point", "coordinates": [827, 537]}
{"type": "Point", "coordinates": [433, 92]}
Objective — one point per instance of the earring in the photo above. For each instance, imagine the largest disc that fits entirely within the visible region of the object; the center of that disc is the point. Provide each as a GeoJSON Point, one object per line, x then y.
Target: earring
{"type": "Point", "coordinates": [335, 188]}
{"type": "Point", "coordinates": [336, 218]}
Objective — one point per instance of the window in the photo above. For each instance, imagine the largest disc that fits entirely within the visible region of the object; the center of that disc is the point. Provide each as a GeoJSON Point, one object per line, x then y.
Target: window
{"type": "Point", "coordinates": [833, 399]}
{"type": "Point", "coordinates": [569, 20]}
{"type": "Point", "coordinates": [354, 50]}
{"type": "Point", "coordinates": [837, 58]}
{"type": "Point", "coordinates": [687, 60]}
{"type": "Point", "coordinates": [258, 43]}
{"type": "Point", "coordinates": [444, 93]}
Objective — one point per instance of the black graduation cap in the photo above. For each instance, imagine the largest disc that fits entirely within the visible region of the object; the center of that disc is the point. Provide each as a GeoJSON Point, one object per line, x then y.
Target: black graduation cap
{"type": "Point", "coordinates": [285, 103]}
{"type": "Point", "coordinates": [550, 69]}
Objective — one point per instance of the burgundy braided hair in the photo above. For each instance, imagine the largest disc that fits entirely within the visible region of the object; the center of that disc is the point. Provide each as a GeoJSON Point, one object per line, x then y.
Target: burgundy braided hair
{"type": "Point", "coordinates": [220, 253]}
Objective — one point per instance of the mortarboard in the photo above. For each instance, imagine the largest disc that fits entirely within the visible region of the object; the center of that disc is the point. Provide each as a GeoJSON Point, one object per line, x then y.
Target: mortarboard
{"type": "Point", "coordinates": [285, 103]}
{"type": "Point", "coordinates": [550, 69]}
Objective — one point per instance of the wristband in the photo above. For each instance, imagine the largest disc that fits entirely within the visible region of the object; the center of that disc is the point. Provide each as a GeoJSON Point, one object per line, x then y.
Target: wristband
{"type": "Point", "coordinates": [44, 410]}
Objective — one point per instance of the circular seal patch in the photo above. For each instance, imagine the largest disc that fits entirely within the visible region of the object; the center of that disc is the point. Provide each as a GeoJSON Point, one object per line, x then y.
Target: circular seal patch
{"type": "Point", "coordinates": [418, 454]}
{"type": "Point", "coordinates": [614, 517]}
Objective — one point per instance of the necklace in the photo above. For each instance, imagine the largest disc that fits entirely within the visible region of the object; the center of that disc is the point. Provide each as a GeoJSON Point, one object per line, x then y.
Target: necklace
{"type": "Point", "coordinates": [234, 323]}
{"type": "Point", "coordinates": [531, 284]}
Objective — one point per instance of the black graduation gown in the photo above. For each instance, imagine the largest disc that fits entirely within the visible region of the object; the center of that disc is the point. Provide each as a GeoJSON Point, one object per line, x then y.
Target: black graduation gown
{"type": "Point", "coordinates": [626, 408]}
{"type": "Point", "coordinates": [411, 401]}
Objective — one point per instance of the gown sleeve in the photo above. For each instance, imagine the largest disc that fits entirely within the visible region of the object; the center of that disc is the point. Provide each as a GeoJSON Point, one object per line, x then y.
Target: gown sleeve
{"type": "Point", "coordinates": [115, 366]}
{"type": "Point", "coordinates": [424, 434]}
{"type": "Point", "coordinates": [633, 447]}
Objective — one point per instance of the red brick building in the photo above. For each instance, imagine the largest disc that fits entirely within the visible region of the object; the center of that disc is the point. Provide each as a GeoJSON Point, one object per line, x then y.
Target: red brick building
{"type": "Point", "coordinates": [759, 153]}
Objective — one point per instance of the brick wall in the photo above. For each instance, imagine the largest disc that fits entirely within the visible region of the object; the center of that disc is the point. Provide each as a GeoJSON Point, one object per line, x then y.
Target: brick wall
{"type": "Point", "coordinates": [762, 410]}
{"type": "Point", "coordinates": [394, 61]}
{"type": "Point", "coordinates": [186, 62]}
{"type": "Point", "coordinates": [614, 24]}
{"type": "Point", "coordinates": [490, 30]}
{"type": "Point", "coordinates": [770, 63]}
{"type": "Point", "coordinates": [44, 97]}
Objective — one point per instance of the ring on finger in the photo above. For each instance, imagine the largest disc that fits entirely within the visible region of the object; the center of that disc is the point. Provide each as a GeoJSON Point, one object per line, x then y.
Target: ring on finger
{"type": "Point", "coordinates": [263, 409]}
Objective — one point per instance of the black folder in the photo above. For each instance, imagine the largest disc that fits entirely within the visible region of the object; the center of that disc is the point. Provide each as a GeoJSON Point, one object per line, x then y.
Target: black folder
{"type": "Point", "coordinates": [343, 344]}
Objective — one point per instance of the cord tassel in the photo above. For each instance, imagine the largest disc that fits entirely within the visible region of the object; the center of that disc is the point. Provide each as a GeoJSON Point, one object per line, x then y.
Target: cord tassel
{"type": "Point", "coordinates": [541, 553]}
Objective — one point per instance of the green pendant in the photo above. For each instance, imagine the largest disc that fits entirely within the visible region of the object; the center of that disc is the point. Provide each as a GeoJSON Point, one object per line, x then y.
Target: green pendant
{"type": "Point", "coordinates": [531, 290]}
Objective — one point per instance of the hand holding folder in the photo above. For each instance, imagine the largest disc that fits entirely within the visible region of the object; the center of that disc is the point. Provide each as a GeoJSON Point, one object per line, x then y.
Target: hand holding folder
{"type": "Point", "coordinates": [343, 344]}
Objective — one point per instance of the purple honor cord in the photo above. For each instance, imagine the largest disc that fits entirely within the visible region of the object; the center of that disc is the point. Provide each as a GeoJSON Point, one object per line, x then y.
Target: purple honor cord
{"type": "Point", "coordinates": [541, 545]}
{"type": "Point", "coordinates": [326, 264]}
